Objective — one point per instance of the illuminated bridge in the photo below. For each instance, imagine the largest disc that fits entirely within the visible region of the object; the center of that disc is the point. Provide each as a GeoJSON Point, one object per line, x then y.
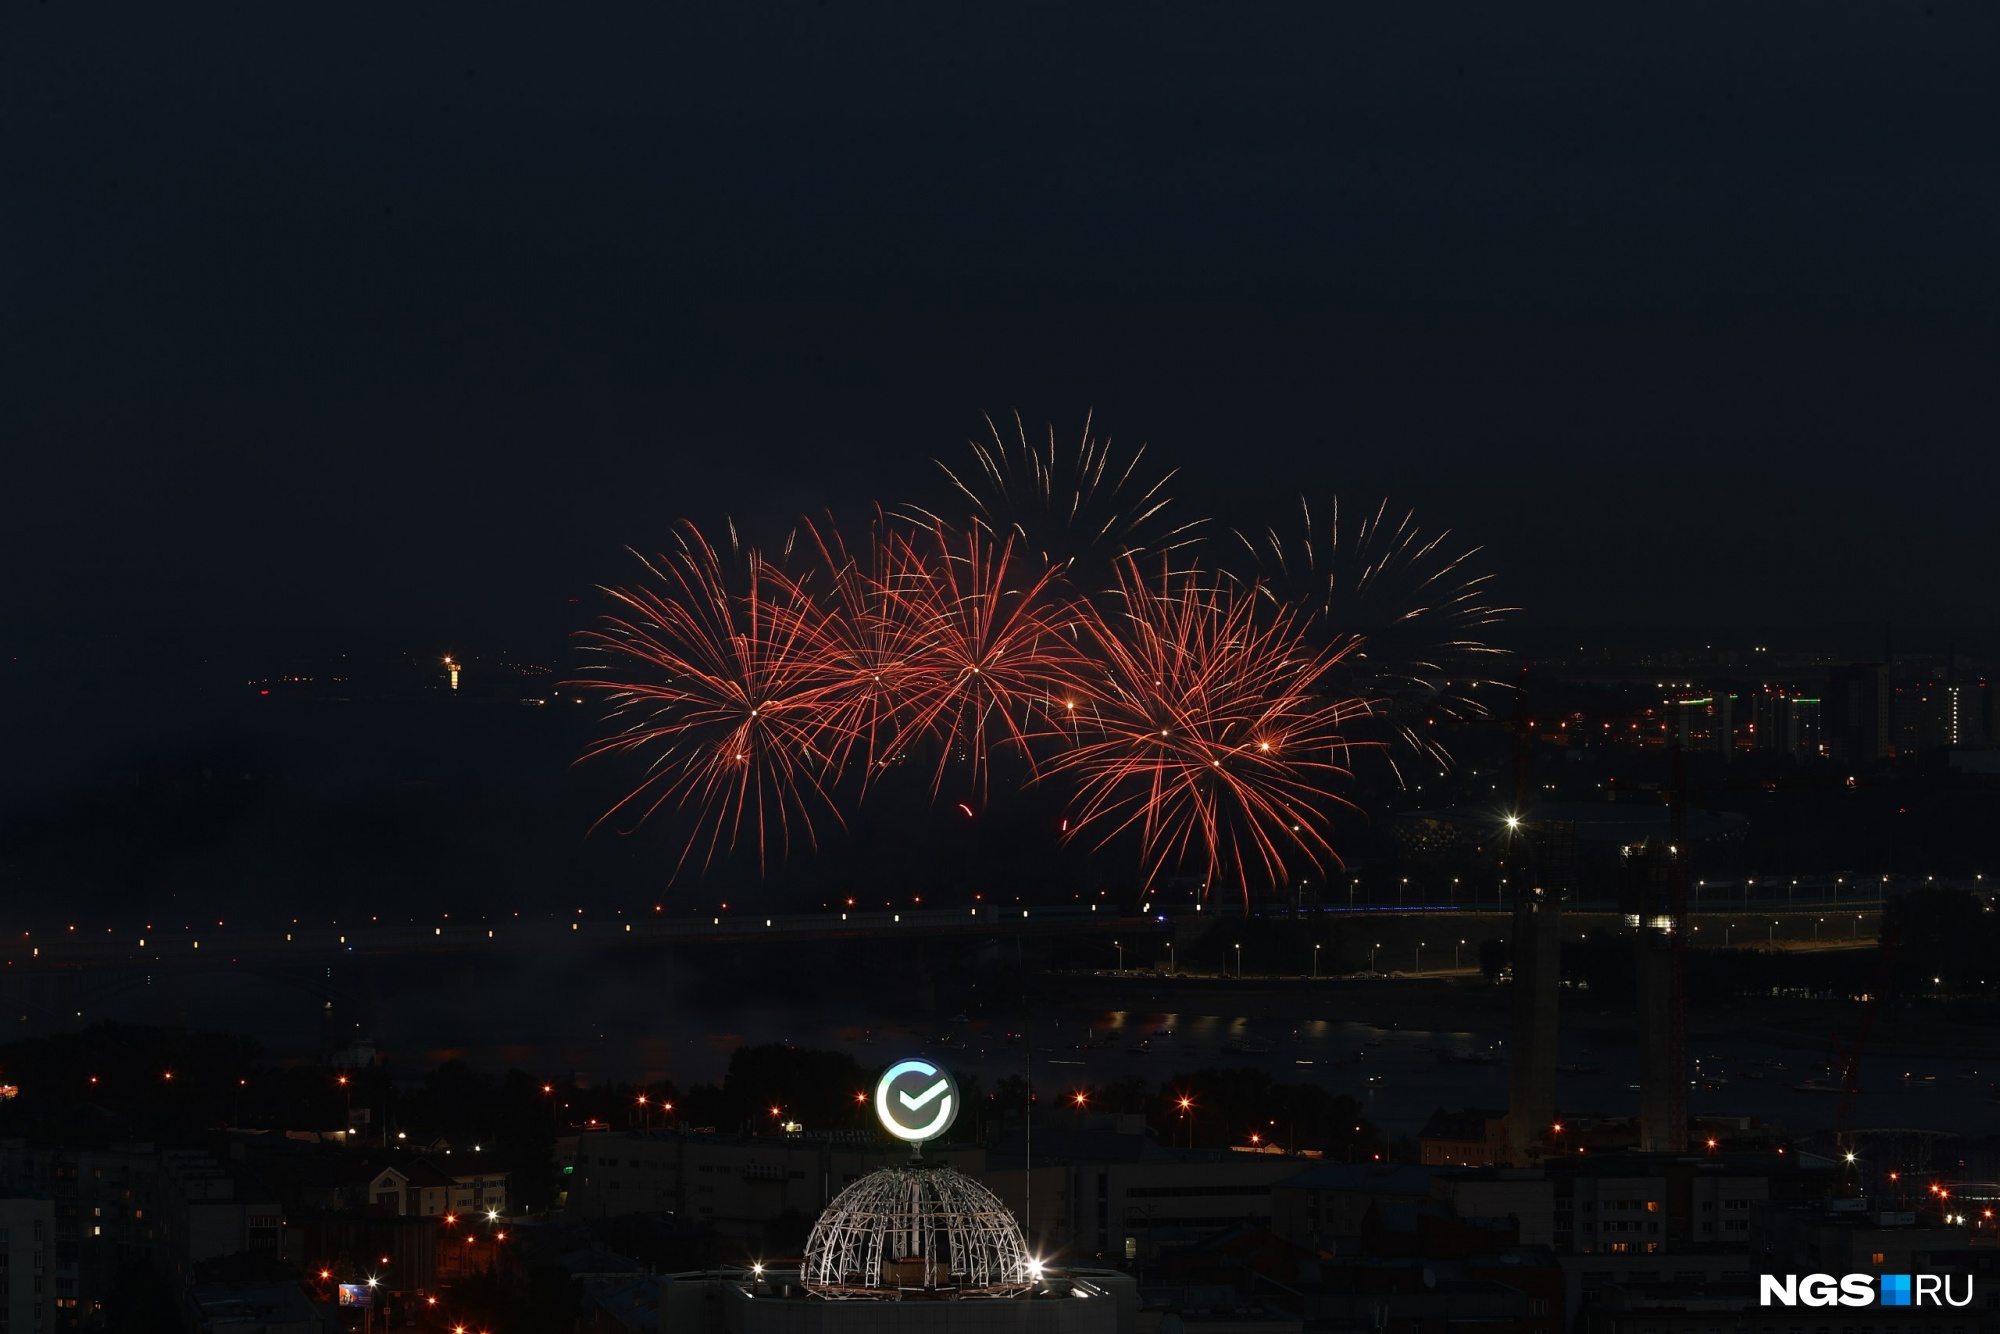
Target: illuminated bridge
{"type": "Point", "coordinates": [226, 944]}
{"type": "Point", "coordinates": [197, 946]}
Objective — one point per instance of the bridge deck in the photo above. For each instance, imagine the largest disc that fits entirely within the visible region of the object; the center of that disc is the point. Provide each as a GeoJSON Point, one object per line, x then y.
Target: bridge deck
{"type": "Point", "coordinates": [227, 944]}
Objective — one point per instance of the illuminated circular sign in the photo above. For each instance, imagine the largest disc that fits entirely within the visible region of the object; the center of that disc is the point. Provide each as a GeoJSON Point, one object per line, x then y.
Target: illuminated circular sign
{"type": "Point", "coordinates": [916, 1101]}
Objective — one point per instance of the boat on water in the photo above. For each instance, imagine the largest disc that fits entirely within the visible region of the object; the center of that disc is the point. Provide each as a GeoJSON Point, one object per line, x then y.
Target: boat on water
{"type": "Point", "coordinates": [1578, 1068]}
{"type": "Point", "coordinates": [1816, 1086]}
{"type": "Point", "coordinates": [1248, 1046]}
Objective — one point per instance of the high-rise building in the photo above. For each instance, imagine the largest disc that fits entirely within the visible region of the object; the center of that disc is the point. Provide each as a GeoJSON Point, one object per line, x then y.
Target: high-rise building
{"type": "Point", "coordinates": [1799, 732]}
{"type": "Point", "coordinates": [1855, 712]}
{"type": "Point", "coordinates": [1932, 715]}
{"type": "Point", "coordinates": [1703, 724]}
{"type": "Point", "coordinates": [27, 1280]}
{"type": "Point", "coordinates": [1785, 722]}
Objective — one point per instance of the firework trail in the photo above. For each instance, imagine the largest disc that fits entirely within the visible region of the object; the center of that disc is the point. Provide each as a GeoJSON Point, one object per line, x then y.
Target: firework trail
{"type": "Point", "coordinates": [723, 690]}
{"type": "Point", "coordinates": [1408, 609]}
{"type": "Point", "coordinates": [1204, 732]}
{"type": "Point", "coordinates": [1078, 508]}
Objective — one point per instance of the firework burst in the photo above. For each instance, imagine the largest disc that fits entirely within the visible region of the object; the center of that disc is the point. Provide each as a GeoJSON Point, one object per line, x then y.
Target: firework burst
{"type": "Point", "coordinates": [725, 692]}
{"type": "Point", "coordinates": [1067, 626]}
{"type": "Point", "coordinates": [985, 641]}
{"type": "Point", "coordinates": [1409, 610]}
{"type": "Point", "coordinates": [864, 645]}
{"type": "Point", "coordinates": [1076, 508]}
{"type": "Point", "coordinates": [1204, 732]}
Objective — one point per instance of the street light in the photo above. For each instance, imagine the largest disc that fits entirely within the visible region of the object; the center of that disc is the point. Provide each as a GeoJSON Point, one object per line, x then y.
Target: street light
{"type": "Point", "coordinates": [1239, 959]}
{"type": "Point", "coordinates": [1420, 958]}
{"type": "Point", "coordinates": [1121, 954]}
{"type": "Point", "coordinates": [1315, 961]}
{"type": "Point", "coordinates": [1454, 955]}
{"type": "Point", "coordinates": [1371, 955]}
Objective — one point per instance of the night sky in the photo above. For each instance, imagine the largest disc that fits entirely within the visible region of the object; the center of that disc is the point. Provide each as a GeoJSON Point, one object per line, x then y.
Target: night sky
{"type": "Point", "coordinates": [396, 324]}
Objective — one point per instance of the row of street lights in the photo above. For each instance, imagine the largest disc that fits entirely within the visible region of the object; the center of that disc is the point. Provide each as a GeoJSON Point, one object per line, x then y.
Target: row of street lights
{"type": "Point", "coordinates": [1457, 949]}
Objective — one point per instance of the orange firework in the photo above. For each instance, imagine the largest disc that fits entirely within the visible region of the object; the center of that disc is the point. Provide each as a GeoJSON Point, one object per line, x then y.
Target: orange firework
{"type": "Point", "coordinates": [984, 642]}
{"type": "Point", "coordinates": [1208, 716]}
{"type": "Point", "coordinates": [731, 702]}
{"type": "Point", "coordinates": [864, 646]}
{"type": "Point", "coordinates": [1205, 731]}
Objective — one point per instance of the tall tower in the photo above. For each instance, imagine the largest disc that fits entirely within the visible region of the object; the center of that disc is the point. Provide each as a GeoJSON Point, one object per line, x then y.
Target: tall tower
{"type": "Point", "coordinates": [1531, 1076]}
{"type": "Point", "coordinates": [1658, 911]}
{"type": "Point", "coordinates": [1653, 977]}
{"type": "Point", "coordinates": [1536, 955]}
{"type": "Point", "coordinates": [1534, 864]}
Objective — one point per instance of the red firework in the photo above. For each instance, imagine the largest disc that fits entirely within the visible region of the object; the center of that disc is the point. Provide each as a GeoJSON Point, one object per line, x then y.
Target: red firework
{"type": "Point", "coordinates": [1209, 717]}
{"type": "Point", "coordinates": [864, 649]}
{"type": "Point", "coordinates": [1205, 731]}
{"type": "Point", "coordinates": [733, 713]}
{"type": "Point", "coordinates": [982, 640]}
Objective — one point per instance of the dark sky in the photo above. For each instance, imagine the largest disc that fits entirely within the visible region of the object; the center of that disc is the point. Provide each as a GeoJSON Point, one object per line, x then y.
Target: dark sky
{"type": "Point", "coordinates": [399, 322]}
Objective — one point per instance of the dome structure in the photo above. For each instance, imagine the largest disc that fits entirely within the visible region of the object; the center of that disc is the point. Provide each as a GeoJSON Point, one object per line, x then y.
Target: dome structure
{"type": "Point", "coordinates": [919, 1229]}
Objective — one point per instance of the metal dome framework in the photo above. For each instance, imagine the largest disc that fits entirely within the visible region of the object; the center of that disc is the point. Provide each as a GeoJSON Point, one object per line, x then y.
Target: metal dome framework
{"type": "Point", "coordinates": [920, 1230]}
